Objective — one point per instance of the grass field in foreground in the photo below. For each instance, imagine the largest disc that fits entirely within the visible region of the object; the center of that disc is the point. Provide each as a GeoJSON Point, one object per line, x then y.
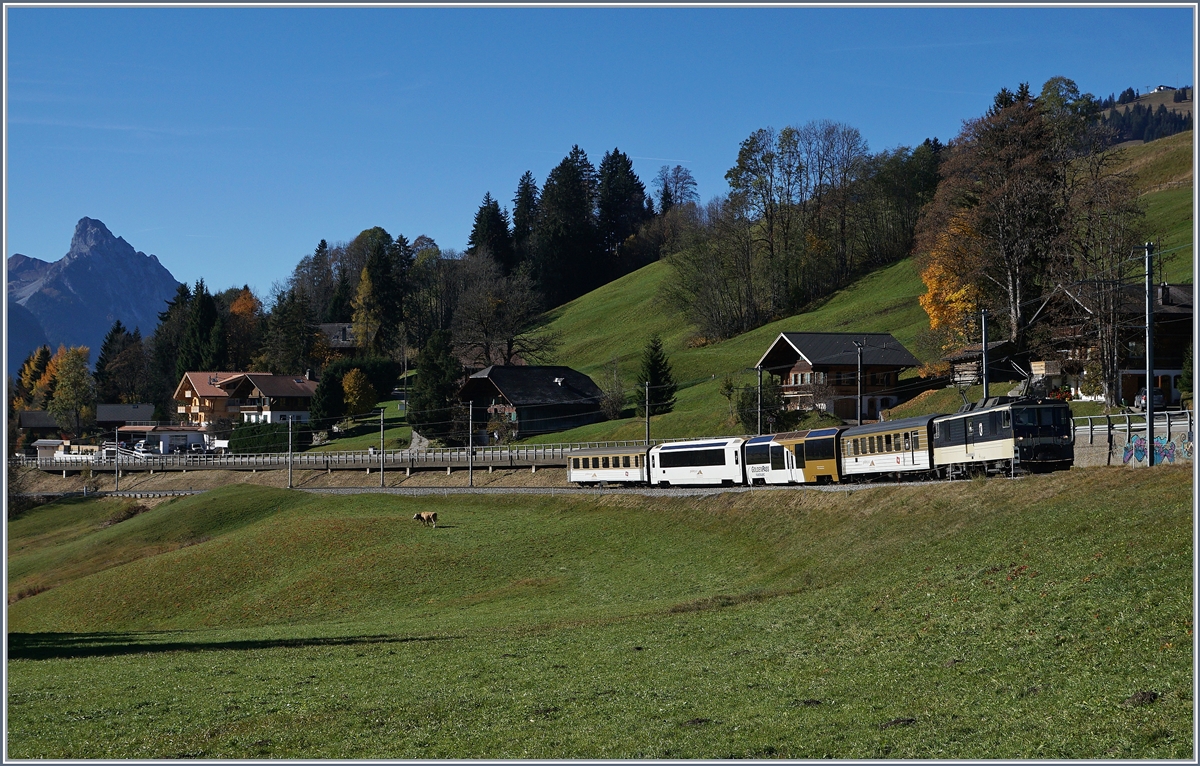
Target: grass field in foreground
{"type": "Point", "coordinates": [1043, 617]}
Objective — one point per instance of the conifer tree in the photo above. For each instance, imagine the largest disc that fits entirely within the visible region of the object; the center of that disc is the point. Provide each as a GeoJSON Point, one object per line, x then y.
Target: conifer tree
{"type": "Point", "coordinates": [116, 341]}
{"type": "Point", "coordinates": [433, 396]}
{"type": "Point", "coordinates": [565, 238]}
{"type": "Point", "coordinates": [524, 218]}
{"type": "Point", "coordinates": [621, 207]}
{"type": "Point", "coordinates": [656, 370]}
{"type": "Point", "coordinates": [490, 234]}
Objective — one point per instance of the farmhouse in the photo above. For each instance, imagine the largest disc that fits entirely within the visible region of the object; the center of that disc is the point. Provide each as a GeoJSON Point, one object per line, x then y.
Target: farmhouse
{"type": "Point", "coordinates": [1075, 340]}
{"type": "Point", "coordinates": [533, 399]}
{"type": "Point", "coordinates": [260, 397]}
{"type": "Point", "coordinates": [201, 400]}
{"type": "Point", "coordinates": [819, 370]}
{"type": "Point", "coordinates": [966, 364]}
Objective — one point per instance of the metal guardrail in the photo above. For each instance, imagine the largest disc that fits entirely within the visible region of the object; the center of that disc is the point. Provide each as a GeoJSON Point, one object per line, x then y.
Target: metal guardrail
{"type": "Point", "coordinates": [1165, 423]}
{"type": "Point", "coordinates": [1168, 423]}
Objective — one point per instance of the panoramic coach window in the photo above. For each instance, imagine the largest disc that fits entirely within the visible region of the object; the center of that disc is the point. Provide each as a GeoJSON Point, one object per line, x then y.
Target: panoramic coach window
{"type": "Point", "coordinates": [690, 458]}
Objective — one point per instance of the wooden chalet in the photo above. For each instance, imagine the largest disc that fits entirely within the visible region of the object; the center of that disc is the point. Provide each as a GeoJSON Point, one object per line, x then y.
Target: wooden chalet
{"type": "Point", "coordinates": [820, 370]}
{"type": "Point", "coordinates": [966, 364]}
{"type": "Point", "coordinates": [261, 397]}
{"type": "Point", "coordinates": [1173, 311]}
{"type": "Point", "coordinates": [200, 400]}
{"type": "Point", "coordinates": [535, 399]}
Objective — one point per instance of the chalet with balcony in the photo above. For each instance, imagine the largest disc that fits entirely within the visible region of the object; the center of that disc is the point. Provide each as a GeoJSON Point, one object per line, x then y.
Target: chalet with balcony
{"type": "Point", "coordinates": [260, 397]}
{"type": "Point", "coordinates": [819, 370]}
{"type": "Point", "coordinates": [535, 399]}
{"type": "Point", "coordinates": [200, 400]}
{"type": "Point", "coordinates": [1074, 336]}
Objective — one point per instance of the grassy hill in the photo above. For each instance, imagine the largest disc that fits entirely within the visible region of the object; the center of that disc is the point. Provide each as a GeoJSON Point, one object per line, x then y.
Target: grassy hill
{"type": "Point", "coordinates": [1046, 617]}
{"type": "Point", "coordinates": [616, 320]}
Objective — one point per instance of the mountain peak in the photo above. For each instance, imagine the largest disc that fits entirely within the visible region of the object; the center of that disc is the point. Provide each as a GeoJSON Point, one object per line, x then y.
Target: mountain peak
{"type": "Point", "coordinates": [92, 238]}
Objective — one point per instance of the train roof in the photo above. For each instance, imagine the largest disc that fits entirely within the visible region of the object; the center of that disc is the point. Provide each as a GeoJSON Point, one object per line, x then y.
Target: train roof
{"type": "Point", "coordinates": [997, 402]}
{"type": "Point", "coordinates": [631, 450]}
{"type": "Point", "coordinates": [904, 424]}
{"type": "Point", "coordinates": [708, 443]}
{"type": "Point", "coordinates": [820, 432]}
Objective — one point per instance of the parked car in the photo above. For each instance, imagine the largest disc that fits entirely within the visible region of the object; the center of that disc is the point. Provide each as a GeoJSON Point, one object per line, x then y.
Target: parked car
{"type": "Point", "coordinates": [1139, 401]}
{"type": "Point", "coordinates": [198, 448]}
{"type": "Point", "coordinates": [141, 449]}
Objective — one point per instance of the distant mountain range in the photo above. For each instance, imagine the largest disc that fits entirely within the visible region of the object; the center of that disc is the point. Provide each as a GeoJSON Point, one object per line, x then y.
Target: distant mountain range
{"type": "Point", "coordinates": [76, 299]}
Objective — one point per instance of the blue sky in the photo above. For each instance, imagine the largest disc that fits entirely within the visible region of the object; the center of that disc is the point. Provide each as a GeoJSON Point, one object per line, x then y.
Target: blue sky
{"type": "Point", "coordinates": [229, 141]}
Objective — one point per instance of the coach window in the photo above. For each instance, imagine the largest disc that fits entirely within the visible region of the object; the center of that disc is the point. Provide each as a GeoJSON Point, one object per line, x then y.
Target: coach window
{"type": "Point", "coordinates": [595, 462]}
{"type": "Point", "coordinates": [604, 462]}
{"type": "Point", "coordinates": [856, 446]}
{"type": "Point", "coordinates": [637, 461]}
{"type": "Point", "coordinates": [916, 441]}
{"type": "Point", "coordinates": [907, 443]}
{"type": "Point", "coordinates": [887, 442]}
{"type": "Point", "coordinates": [625, 461]}
{"type": "Point", "coordinates": [575, 463]}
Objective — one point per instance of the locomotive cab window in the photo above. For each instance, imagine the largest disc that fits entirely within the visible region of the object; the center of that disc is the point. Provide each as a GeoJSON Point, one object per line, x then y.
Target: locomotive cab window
{"type": "Point", "coordinates": [1006, 419]}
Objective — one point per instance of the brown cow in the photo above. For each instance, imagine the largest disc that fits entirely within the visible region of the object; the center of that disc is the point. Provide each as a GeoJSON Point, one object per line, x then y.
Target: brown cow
{"type": "Point", "coordinates": [427, 518]}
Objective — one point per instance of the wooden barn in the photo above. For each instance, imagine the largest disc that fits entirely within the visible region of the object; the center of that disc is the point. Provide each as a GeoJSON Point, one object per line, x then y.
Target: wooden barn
{"type": "Point", "coordinates": [819, 370]}
{"type": "Point", "coordinates": [533, 399]}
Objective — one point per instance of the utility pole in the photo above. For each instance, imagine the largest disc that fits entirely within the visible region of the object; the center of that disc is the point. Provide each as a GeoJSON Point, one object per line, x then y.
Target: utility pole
{"type": "Point", "coordinates": [381, 411]}
{"type": "Point", "coordinates": [1150, 385]}
{"type": "Point", "coordinates": [759, 401]}
{"type": "Point", "coordinates": [858, 345]}
{"type": "Point", "coordinates": [983, 329]}
{"type": "Point", "coordinates": [647, 413]}
{"type": "Point", "coordinates": [117, 459]}
{"type": "Point", "coordinates": [289, 452]}
{"type": "Point", "coordinates": [470, 444]}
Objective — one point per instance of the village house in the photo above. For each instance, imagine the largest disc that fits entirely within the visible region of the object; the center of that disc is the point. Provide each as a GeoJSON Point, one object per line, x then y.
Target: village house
{"type": "Point", "coordinates": [533, 399]}
{"type": "Point", "coordinates": [1075, 341]}
{"type": "Point", "coordinates": [260, 397]}
{"type": "Point", "coordinates": [819, 370]}
{"type": "Point", "coordinates": [201, 401]}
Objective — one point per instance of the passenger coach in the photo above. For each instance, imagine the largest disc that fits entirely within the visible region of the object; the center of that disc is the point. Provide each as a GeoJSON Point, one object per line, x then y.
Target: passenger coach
{"type": "Point", "coordinates": [697, 463]}
{"type": "Point", "coordinates": [889, 447]}
{"type": "Point", "coordinates": [608, 465]}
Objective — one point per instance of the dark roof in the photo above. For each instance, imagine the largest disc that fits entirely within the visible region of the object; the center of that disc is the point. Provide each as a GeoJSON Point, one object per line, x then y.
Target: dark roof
{"type": "Point", "coordinates": [35, 419]}
{"type": "Point", "coordinates": [274, 386]}
{"type": "Point", "coordinates": [975, 351]}
{"type": "Point", "coordinates": [837, 348]}
{"type": "Point", "coordinates": [123, 413]}
{"type": "Point", "coordinates": [1168, 298]}
{"type": "Point", "coordinates": [524, 385]}
{"type": "Point", "coordinates": [905, 424]}
{"type": "Point", "coordinates": [339, 334]}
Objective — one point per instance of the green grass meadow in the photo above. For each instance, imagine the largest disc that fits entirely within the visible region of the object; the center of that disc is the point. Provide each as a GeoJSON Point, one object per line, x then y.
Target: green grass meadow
{"type": "Point", "coordinates": [1045, 617]}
